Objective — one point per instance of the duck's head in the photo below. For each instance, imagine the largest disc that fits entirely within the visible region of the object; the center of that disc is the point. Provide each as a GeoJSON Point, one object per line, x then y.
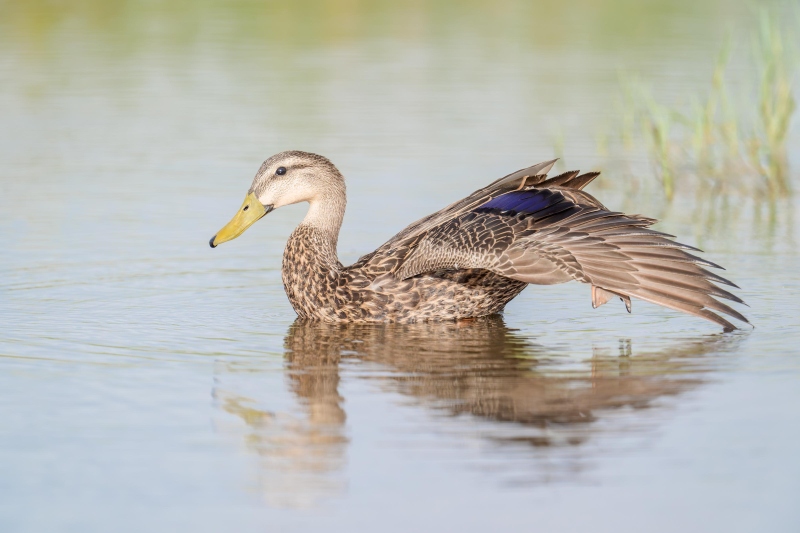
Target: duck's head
{"type": "Point", "coordinates": [284, 179]}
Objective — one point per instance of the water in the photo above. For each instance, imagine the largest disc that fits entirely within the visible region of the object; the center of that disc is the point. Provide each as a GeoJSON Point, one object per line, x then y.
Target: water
{"type": "Point", "coordinates": [151, 383]}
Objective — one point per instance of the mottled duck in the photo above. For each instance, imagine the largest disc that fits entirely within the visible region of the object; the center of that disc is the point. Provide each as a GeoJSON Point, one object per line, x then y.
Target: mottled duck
{"type": "Point", "coordinates": [474, 256]}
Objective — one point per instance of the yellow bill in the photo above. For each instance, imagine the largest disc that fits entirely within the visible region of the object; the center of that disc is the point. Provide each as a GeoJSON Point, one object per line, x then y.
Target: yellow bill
{"type": "Point", "coordinates": [251, 211]}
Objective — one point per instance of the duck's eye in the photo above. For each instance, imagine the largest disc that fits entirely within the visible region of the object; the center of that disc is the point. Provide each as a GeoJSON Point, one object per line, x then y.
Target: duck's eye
{"type": "Point", "coordinates": [281, 171]}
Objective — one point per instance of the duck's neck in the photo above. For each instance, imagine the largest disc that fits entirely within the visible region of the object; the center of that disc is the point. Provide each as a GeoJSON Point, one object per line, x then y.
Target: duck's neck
{"type": "Point", "coordinates": [310, 262]}
{"type": "Point", "coordinates": [324, 220]}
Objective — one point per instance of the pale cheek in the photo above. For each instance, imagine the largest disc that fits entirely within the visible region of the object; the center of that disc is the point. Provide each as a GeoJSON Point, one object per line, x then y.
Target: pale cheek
{"type": "Point", "coordinates": [301, 196]}
{"type": "Point", "coordinates": [273, 195]}
{"type": "Point", "coordinates": [266, 199]}
{"type": "Point", "coordinates": [269, 197]}
{"type": "Point", "coordinates": [287, 196]}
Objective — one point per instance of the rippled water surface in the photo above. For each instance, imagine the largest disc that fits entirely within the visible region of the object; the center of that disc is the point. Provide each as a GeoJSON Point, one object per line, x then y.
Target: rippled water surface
{"type": "Point", "coordinates": [150, 383]}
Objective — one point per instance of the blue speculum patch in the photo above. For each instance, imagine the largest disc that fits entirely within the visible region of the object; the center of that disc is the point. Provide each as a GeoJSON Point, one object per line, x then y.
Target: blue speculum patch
{"type": "Point", "coordinates": [522, 201]}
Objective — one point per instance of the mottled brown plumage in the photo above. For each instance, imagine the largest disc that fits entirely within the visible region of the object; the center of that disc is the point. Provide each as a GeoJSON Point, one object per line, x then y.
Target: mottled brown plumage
{"type": "Point", "coordinates": [472, 257]}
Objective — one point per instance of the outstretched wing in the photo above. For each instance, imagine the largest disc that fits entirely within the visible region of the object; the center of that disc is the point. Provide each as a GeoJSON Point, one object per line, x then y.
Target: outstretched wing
{"type": "Point", "coordinates": [551, 233]}
{"type": "Point", "coordinates": [405, 238]}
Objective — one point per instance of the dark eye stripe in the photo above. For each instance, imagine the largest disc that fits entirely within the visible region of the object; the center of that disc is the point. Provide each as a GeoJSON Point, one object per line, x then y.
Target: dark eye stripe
{"type": "Point", "coordinates": [281, 171]}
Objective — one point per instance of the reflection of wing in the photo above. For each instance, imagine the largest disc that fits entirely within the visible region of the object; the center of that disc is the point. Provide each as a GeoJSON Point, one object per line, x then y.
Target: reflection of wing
{"type": "Point", "coordinates": [485, 369]}
{"type": "Point", "coordinates": [543, 236]}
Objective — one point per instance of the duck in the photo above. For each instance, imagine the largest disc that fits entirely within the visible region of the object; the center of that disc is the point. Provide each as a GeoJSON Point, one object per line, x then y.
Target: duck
{"type": "Point", "coordinates": [471, 258]}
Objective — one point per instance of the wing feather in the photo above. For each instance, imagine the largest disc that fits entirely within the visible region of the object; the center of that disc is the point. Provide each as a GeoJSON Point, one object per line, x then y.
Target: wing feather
{"type": "Point", "coordinates": [530, 228]}
{"type": "Point", "coordinates": [546, 236]}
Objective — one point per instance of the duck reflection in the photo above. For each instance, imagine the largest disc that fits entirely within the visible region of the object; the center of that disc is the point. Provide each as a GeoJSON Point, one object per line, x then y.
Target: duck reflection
{"type": "Point", "coordinates": [301, 448]}
{"type": "Point", "coordinates": [520, 392]}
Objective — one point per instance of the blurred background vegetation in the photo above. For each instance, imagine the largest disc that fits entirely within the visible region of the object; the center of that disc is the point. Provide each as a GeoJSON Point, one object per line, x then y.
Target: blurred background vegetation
{"type": "Point", "coordinates": [730, 139]}
{"type": "Point", "coordinates": [674, 99]}
{"type": "Point", "coordinates": [126, 24]}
